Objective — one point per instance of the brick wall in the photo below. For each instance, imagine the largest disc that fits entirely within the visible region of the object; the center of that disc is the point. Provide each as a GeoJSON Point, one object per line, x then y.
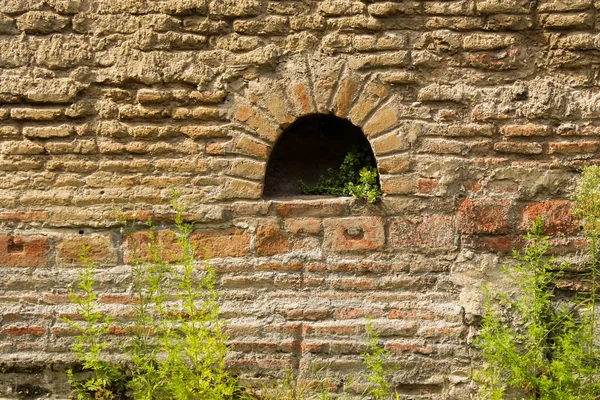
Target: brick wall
{"type": "Point", "coordinates": [479, 113]}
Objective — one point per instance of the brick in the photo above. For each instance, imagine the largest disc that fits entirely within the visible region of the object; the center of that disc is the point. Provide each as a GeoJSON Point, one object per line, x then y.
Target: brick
{"type": "Point", "coordinates": [23, 330]}
{"type": "Point", "coordinates": [36, 114]}
{"type": "Point", "coordinates": [566, 21]}
{"type": "Point", "coordinates": [402, 347]}
{"type": "Point", "coordinates": [315, 208]}
{"type": "Point", "coordinates": [399, 184]}
{"type": "Point", "coordinates": [297, 226]}
{"type": "Point", "coordinates": [518, 148]}
{"type": "Point", "coordinates": [136, 247]}
{"type": "Point", "coordinates": [264, 128]}
{"type": "Point", "coordinates": [427, 232]}
{"type": "Point", "coordinates": [346, 92]}
{"type": "Point", "coordinates": [353, 234]}
{"type": "Point", "coordinates": [48, 131]}
{"type": "Point", "coordinates": [231, 242]}
{"type": "Point", "coordinates": [483, 216]}
{"type": "Point", "coordinates": [24, 216]}
{"type": "Point", "coordinates": [388, 9]}
{"type": "Point", "coordinates": [526, 130]}
{"type": "Point", "coordinates": [101, 250]}
{"type": "Point", "coordinates": [24, 251]}
{"type": "Point", "coordinates": [572, 147]}
{"type": "Point", "coordinates": [270, 240]}
{"type": "Point", "coordinates": [557, 216]}
{"type": "Point", "coordinates": [503, 6]}
{"type": "Point", "coordinates": [41, 22]}
{"type": "Point", "coordinates": [561, 5]}
{"type": "Point", "coordinates": [384, 119]}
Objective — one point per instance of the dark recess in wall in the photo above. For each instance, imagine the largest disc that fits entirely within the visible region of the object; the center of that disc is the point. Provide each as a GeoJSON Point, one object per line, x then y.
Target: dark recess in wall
{"type": "Point", "coordinates": [306, 149]}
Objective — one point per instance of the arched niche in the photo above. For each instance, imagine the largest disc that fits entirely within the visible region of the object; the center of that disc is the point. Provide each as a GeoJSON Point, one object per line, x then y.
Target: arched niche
{"type": "Point", "coordinates": [307, 149]}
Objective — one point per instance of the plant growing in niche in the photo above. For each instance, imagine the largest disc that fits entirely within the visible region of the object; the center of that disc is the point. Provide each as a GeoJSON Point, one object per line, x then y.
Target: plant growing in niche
{"type": "Point", "coordinates": [538, 344]}
{"type": "Point", "coordinates": [355, 177]}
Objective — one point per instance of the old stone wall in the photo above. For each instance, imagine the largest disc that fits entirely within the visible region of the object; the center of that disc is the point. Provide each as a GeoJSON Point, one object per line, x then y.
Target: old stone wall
{"type": "Point", "coordinates": [479, 113]}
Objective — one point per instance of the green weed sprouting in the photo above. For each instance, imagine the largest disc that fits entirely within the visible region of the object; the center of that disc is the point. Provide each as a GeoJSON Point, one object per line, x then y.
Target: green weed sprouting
{"type": "Point", "coordinates": [375, 360]}
{"type": "Point", "coordinates": [107, 381]}
{"type": "Point", "coordinates": [537, 344]}
{"type": "Point", "coordinates": [356, 177]}
{"type": "Point", "coordinates": [178, 347]}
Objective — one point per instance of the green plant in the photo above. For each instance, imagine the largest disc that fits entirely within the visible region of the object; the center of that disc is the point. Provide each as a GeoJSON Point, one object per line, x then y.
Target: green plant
{"type": "Point", "coordinates": [178, 348]}
{"type": "Point", "coordinates": [375, 359]}
{"type": "Point", "coordinates": [107, 381]}
{"type": "Point", "coordinates": [356, 177]}
{"type": "Point", "coordinates": [536, 343]}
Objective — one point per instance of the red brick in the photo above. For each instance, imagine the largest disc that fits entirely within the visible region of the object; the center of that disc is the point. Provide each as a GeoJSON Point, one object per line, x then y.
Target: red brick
{"type": "Point", "coordinates": [427, 186]}
{"type": "Point", "coordinates": [572, 147]}
{"type": "Point", "coordinates": [401, 347]}
{"type": "Point", "coordinates": [526, 130]}
{"type": "Point", "coordinates": [232, 242]}
{"type": "Point", "coordinates": [270, 240]}
{"type": "Point", "coordinates": [355, 313]}
{"type": "Point", "coordinates": [315, 314]}
{"type": "Point", "coordinates": [23, 330]}
{"type": "Point", "coordinates": [352, 234]}
{"type": "Point", "coordinates": [140, 241]}
{"type": "Point", "coordinates": [24, 251]}
{"type": "Point", "coordinates": [24, 216]}
{"type": "Point", "coordinates": [116, 298]}
{"type": "Point", "coordinates": [433, 231]}
{"type": "Point", "coordinates": [310, 226]}
{"type": "Point", "coordinates": [483, 216]}
{"type": "Point", "coordinates": [101, 250]}
{"type": "Point", "coordinates": [557, 216]}
{"type": "Point", "coordinates": [330, 267]}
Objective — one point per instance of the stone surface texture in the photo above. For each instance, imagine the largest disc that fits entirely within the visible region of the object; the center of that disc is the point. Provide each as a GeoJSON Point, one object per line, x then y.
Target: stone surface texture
{"type": "Point", "coordinates": [480, 114]}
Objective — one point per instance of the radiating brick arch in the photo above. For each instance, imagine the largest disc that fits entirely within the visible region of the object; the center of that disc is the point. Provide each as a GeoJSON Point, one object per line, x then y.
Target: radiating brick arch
{"type": "Point", "coordinates": [303, 85]}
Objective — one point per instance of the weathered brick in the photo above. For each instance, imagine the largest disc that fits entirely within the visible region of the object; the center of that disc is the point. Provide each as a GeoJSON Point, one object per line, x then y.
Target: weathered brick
{"type": "Point", "coordinates": [138, 246]}
{"type": "Point", "coordinates": [518, 147]}
{"type": "Point", "coordinates": [23, 330]}
{"type": "Point", "coordinates": [24, 251]}
{"type": "Point", "coordinates": [483, 216]}
{"type": "Point", "coordinates": [101, 250]}
{"type": "Point", "coordinates": [572, 147]}
{"type": "Point", "coordinates": [526, 130]}
{"type": "Point", "coordinates": [429, 232]}
{"type": "Point", "coordinates": [557, 216]}
{"type": "Point", "coordinates": [41, 22]}
{"type": "Point", "coordinates": [220, 243]}
{"type": "Point", "coordinates": [297, 226]}
{"type": "Point", "coordinates": [270, 240]}
{"type": "Point", "coordinates": [48, 131]}
{"type": "Point", "coordinates": [353, 234]}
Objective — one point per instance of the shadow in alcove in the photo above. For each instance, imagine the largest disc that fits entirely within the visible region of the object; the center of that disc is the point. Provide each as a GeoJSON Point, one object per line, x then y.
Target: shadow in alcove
{"type": "Point", "coordinates": [306, 149]}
